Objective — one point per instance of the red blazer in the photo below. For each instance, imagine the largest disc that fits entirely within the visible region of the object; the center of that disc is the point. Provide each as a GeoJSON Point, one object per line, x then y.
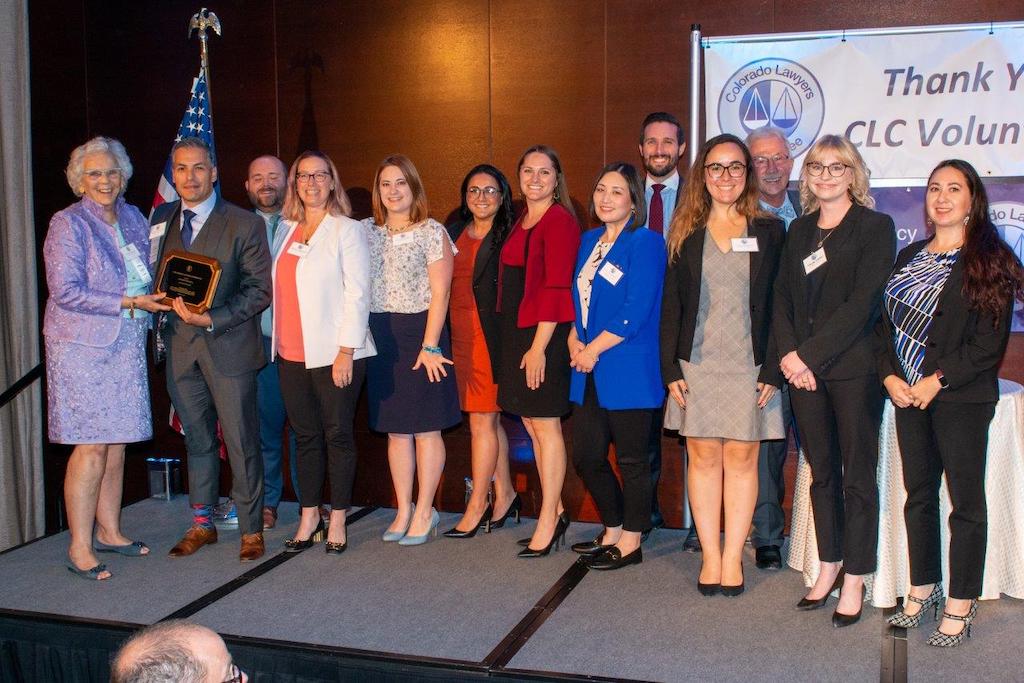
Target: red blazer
{"type": "Point", "coordinates": [550, 261]}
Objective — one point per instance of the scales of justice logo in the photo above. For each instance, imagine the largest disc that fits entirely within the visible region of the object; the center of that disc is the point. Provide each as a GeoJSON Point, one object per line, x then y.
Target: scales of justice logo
{"type": "Point", "coordinates": [773, 91]}
{"type": "Point", "coordinates": [1008, 218]}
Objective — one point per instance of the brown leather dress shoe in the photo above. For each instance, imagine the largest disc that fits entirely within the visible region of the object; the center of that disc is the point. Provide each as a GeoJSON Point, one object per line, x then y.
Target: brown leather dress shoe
{"type": "Point", "coordinates": [252, 547]}
{"type": "Point", "coordinates": [269, 517]}
{"type": "Point", "coordinates": [194, 539]}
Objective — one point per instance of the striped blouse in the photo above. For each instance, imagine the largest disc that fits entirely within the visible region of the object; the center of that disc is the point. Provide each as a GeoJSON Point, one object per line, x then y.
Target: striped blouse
{"type": "Point", "coordinates": [910, 299]}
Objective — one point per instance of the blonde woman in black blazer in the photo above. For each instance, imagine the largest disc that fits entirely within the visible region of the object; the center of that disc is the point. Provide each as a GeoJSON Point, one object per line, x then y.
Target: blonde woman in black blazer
{"type": "Point", "coordinates": [837, 258]}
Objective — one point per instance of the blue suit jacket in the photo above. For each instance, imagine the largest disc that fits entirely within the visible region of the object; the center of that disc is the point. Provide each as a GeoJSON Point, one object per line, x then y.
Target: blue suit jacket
{"type": "Point", "coordinates": [627, 375]}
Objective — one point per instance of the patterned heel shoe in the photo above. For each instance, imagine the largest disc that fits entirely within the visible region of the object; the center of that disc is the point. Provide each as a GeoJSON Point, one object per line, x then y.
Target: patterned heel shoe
{"type": "Point", "coordinates": [294, 545]}
{"type": "Point", "coordinates": [904, 620]}
{"type": "Point", "coordinates": [940, 639]}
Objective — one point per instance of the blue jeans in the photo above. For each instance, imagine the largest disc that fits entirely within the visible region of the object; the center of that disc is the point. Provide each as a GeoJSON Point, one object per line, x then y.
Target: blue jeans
{"type": "Point", "coordinates": [272, 428]}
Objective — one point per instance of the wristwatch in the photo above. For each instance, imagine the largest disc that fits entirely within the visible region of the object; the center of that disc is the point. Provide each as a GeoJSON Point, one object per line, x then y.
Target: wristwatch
{"type": "Point", "coordinates": [943, 382]}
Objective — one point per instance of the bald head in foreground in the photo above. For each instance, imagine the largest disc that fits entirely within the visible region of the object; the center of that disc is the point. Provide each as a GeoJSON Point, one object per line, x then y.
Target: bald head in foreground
{"type": "Point", "coordinates": [176, 651]}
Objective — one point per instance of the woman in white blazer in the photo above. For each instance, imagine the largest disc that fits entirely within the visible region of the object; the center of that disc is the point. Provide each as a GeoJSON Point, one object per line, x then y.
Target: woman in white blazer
{"type": "Point", "coordinates": [321, 310]}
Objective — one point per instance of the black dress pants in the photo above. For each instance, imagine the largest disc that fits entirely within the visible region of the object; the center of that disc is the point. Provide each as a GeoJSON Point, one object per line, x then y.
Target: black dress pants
{"type": "Point", "coordinates": [839, 424]}
{"type": "Point", "coordinates": [321, 414]}
{"type": "Point", "coordinates": [594, 429]}
{"type": "Point", "coordinates": [654, 459]}
{"type": "Point", "coordinates": [951, 438]}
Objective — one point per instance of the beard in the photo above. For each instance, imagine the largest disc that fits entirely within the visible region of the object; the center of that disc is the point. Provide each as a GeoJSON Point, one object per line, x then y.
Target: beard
{"type": "Point", "coordinates": [660, 169]}
{"type": "Point", "coordinates": [268, 202]}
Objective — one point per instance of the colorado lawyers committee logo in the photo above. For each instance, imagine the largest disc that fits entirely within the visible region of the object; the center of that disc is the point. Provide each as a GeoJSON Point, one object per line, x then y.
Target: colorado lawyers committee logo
{"type": "Point", "coordinates": [773, 91]}
{"type": "Point", "coordinates": [1008, 218]}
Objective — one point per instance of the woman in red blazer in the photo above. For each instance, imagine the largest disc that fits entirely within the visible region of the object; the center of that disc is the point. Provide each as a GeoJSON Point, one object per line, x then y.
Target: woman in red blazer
{"type": "Point", "coordinates": [535, 301]}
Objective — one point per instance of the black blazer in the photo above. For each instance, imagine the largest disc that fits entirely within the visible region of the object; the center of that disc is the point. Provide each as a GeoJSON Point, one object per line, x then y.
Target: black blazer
{"type": "Point", "coordinates": [965, 344]}
{"type": "Point", "coordinates": [836, 339]}
{"type": "Point", "coordinates": [681, 299]}
{"type": "Point", "coordinates": [485, 290]}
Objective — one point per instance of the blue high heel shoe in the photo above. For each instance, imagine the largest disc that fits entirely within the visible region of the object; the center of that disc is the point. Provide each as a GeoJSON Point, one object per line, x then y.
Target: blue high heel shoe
{"type": "Point", "coordinates": [435, 519]}
{"type": "Point", "coordinates": [392, 536]}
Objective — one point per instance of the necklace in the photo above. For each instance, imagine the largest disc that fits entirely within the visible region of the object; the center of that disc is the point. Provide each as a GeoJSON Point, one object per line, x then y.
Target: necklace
{"type": "Point", "coordinates": [391, 228]}
{"type": "Point", "coordinates": [828, 233]}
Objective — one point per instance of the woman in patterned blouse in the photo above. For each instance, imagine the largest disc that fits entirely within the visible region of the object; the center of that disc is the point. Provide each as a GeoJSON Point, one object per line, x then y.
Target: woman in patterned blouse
{"type": "Point", "coordinates": [946, 319]}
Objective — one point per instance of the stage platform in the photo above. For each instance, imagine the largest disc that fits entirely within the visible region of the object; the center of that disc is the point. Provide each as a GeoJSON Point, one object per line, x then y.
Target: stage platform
{"type": "Point", "coordinates": [458, 610]}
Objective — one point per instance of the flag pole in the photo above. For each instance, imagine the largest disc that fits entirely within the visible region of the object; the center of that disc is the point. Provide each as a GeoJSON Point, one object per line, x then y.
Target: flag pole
{"type": "Point", "coordinates": [200, 22]}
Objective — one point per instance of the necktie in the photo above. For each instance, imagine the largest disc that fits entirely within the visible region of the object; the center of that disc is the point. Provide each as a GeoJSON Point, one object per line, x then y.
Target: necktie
{"type": "Point", "coordinates": [186, 227]}
{"type": "Point", "coordinates": [656, 213]}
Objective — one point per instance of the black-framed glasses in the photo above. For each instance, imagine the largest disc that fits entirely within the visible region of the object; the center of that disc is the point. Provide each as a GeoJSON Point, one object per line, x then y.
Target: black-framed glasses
{"type": "Point", "coordinates": [490, 192]}
{"type": "Point", "coordinates": [836, 170]}
{"type": "Point", "coordinates": [737, 169]}
{"type": "Point", "coordinates": [318, 177]}
{"type": "Point", "coordinates": [776, 159]}
{"type": "Point", "coordinates": [236, 675]}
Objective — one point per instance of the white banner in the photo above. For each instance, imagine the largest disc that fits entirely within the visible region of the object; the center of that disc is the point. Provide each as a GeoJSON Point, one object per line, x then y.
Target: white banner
{"type": "Point", "coordinates": [907, 101]}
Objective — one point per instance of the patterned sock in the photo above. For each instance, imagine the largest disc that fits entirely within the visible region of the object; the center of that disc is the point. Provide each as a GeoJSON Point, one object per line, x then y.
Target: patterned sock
{"type": "Point", "coordinates": [202, 515]}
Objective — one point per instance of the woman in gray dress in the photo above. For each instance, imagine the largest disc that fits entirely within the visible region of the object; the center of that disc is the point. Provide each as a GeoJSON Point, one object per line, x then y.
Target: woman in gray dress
{"type": "Point", "coordinates": [717, 358]}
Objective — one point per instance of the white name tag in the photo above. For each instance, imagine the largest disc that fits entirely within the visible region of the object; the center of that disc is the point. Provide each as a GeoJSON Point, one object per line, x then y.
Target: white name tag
{"type": "Point", "coordinates": [157, 230]}
{"type": "Point", "coordinates": [610, 273]}
{"type": "Point", "coordinates": [133, 259]}
{"type": "Point", "coordinates": [298, 249]}
{"type": "Point", "coordinates": [816, 260]}
{"type": "Point", "coordinates": [403, 238]}
{"type": "Point", "coordinates": [744, 244]}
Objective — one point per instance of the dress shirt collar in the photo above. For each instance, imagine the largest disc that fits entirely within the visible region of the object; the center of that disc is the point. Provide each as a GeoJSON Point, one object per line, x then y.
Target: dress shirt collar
{"type": "Point", "coordinates": [202, 211]}
{"type": "Point", "coordinates": [670, 183]}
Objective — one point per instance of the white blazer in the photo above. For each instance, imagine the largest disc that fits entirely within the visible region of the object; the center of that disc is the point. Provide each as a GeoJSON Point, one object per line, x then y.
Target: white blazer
{"type": "Point", "coordinates": [333, 283]}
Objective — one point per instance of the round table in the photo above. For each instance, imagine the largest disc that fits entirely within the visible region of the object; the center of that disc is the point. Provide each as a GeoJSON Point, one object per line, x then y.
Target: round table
{"type": "Point", "coordinates": [1004, 488]}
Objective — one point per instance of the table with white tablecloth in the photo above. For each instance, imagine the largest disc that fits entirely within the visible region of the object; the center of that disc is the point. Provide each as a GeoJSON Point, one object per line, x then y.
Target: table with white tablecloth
{"type": "Point", "coordinates": [1004, 489]}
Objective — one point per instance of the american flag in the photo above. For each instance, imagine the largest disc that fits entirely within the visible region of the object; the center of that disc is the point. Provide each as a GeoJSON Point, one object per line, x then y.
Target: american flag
{"type": "Point", "coordinates": [197, 123]}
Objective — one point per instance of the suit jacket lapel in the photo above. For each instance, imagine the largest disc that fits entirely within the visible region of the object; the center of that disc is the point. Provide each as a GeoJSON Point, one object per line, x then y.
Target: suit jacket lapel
{"type": "Point", "coordinates": [756, 229]}
{"type": "Point", "coordinates": [208, 239]}
{"type": "Point", "coordinates": [483, 255]}
{"type": "Point", "coordinates": [695, 254]}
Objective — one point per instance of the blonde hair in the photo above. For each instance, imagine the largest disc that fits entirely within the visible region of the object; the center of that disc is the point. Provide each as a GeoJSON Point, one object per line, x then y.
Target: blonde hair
{"type": "Point", "coordinates": [859, 190]}
{"type": "Point", "coordinates": [337, 199]}
{"type": "Point", "coordinates": [419, 210]}
{"type": "Point", "coordinates": [695, 205]}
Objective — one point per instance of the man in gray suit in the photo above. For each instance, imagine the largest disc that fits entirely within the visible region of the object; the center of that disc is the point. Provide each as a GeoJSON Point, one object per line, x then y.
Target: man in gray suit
{"type": "Point", "coordinates": [773, 164]}
{"type": "Point", "coordinates": [213, 357]}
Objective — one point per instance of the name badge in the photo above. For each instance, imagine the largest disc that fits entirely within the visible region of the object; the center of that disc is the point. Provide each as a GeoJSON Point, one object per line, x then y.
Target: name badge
{"type": "Point", "coordinates": [403, 238]}
{"type": "Point", "coordinates": [157, 230]}
{"type": "Point", "coordinates": [744, 244]}
{"type": "Point", "coordinates": [133, 259]}
{"type": "Point", "coordinates": [298, 249]}
{"type": "Point", "coordinates": [816, 260]}
{"type": "Point", "coordinates": [610, 273]}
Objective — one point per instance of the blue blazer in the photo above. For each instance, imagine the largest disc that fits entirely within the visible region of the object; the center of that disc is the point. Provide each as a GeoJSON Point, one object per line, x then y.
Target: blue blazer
{"type": "Point", "coordinates": [628, 375]}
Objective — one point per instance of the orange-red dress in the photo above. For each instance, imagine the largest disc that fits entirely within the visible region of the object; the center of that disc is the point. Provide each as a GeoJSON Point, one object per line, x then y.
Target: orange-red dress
{"type": "Point", "coordinates": [473, 375]}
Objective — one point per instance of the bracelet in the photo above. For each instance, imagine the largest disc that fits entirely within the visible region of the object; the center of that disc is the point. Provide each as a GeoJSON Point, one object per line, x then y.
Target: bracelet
{"type": "Point", "coordinates": [131, 308]}
{"type": "Point", "coordinates": [436, 350]}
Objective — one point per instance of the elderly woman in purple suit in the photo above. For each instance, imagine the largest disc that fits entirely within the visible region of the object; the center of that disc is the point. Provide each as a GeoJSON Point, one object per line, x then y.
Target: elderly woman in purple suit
{"type": "Point", "coordinates": [98, 273]}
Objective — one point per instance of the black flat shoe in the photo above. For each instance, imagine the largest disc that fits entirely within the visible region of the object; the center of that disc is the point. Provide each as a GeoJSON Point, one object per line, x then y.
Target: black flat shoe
{"type": "Point", "coordinates": [514, 508]}
{"type": "Point", "coordinates": [485, 519]}
{"type": "Point", "coordinates": [293, 545]}
{"type": "Point", "coordinates": [557, 539]}
{"type": "Point", "coordinates": [806, 604]}
{"type": "Point", "coordinates": [614, 559]}
{"type": "Point", "coordinates": [843, 620]}
{"type": "Point", "coordinates": [591, 548]}
{"type": "Point", "coordinates": [768, 557]}
{"type": "Point", "coordinates": [709, 589]}
{"type": "Point", "coordinates": [335, 548]}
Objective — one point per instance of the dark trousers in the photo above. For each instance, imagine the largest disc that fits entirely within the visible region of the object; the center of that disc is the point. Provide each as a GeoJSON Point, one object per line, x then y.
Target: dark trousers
{"type": "Point", "coordinates": [950, 438]}
{"type": "Point", "coordinates": [769, 520]}
{"type": "Point", "coordinates": [272, 430]}
{"type": "Point", "coordinates": [321, 415]}
{"type": "Point", "coordinates": [594, 430]}
{"type": "Point", "coordinates": [839, 425]}
{"type": "Point", "coordinates": [654, 460]}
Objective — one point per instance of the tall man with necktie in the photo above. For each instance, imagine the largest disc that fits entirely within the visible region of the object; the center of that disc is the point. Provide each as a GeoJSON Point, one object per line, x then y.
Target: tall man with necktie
{"type": "Point", "coordinates": [773, 165]}
{"type": "Point", "coordinates": [213, 357]}
{"type": "Point", "coordinates": [661, 145]}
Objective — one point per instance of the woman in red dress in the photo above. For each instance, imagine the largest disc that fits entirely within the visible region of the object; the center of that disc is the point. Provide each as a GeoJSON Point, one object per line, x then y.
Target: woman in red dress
{"type": "Point", "coordinates": [486, 216]}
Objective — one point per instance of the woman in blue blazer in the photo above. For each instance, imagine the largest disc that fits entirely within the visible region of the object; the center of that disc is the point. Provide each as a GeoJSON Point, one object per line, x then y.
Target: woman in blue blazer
{"type": "Point", "coordinates": [613, 348]}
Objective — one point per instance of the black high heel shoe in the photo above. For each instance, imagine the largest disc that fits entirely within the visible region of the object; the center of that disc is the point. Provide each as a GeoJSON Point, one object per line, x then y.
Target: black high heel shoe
{"type": "Point", "coordinates": [807, 604]}
{"type": "Point", "coordinates": [557, 539]}
{"type": "Point", "coordinates": [563, 515]}
{"type": "Point", "coordinates": [485, 518]}
{"type": "Point", "coordinates": [293, 545]}
{"type": "Point", "coordinates": [709, 589]}
{"type": "Point", "coordinates": [733, 591]}
{"type": "Point", "coordinates": [840, 620]}
{"type": "Point", "coordinates": [514, 508]}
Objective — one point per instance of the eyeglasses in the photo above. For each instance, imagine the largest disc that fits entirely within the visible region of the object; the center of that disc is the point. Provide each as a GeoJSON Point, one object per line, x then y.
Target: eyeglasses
{"type": "Point", "coordinates": [318, 177]}
{"type": "Point", "coordinates": [775, 159]}
{"type": "Point", "coordinates": [836, 170]}
{"type": "Point", "coordinates": [236, 675]}
{"type": "Point", "coordinates": [736, 169]}
{"type": "Point", "coordinates": [489, 192]}
{"type": "Point", "coordinates": [108, 173]}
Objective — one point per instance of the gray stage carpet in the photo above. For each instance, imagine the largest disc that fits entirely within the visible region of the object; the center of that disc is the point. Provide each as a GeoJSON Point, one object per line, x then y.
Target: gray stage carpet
{"type": "Point", "coordinates": [649, 622]}
{"type": "Point", "coordinates": [449, 598]}
{"type": "Point", "coordinates": [143, 590]}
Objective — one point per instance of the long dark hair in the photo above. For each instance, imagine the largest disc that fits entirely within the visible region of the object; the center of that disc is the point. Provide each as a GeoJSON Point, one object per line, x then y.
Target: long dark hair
{"type": "Point", "coordinates": [636, 193]}
{"type": "Point", "coordinates": [506, 214]}
{"type": "Point", "coordinates": [993, 275]}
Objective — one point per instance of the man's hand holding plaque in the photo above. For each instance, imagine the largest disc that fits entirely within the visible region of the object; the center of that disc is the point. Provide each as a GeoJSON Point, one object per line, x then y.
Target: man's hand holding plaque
{"type": "Point", "coordinates": [190, 283]}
